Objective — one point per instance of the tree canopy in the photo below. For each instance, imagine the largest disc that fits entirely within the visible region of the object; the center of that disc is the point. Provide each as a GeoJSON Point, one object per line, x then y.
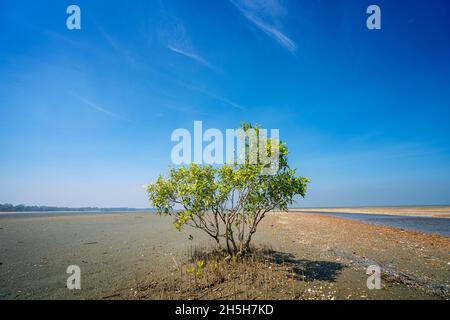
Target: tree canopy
{"type": "Point", "coordinates": [229, 201]}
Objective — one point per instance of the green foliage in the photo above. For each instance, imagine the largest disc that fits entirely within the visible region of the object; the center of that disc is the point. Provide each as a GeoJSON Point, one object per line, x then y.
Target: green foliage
{"type": "Point", "coordinates": [229, 201]}
{"type": "Point", "coordinates": [190, 269]}
{"type": "Point", "coordinates": [200, 265]}
{"type": "Point", "coordinates": [196, 269]}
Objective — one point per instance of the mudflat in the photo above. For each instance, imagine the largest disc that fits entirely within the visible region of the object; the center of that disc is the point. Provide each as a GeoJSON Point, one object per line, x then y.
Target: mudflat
{"type": "Point", "coordinates": [122, 252]}
{"type": "Point", "coordinates": [113, 251]}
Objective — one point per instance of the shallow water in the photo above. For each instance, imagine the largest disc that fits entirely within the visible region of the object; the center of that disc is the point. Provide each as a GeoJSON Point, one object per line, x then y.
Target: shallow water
{"type": "Point", "coordinates": [423, 224]}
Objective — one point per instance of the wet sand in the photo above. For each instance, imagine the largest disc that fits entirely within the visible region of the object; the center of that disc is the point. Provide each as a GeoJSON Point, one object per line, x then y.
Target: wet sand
{"type": "Point", "coordinates": [117, 252]}
{"type": "Point", "coordinates": [113, 251]}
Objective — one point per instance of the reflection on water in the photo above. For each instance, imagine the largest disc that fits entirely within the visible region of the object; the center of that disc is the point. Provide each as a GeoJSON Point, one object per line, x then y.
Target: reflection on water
{"type": "Point", "coordinates": [423, 224]}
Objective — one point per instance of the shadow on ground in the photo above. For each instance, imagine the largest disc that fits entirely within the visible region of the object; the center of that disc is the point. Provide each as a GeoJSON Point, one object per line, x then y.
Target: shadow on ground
{"type": "Point", "coordinates": [306, 270]}
{"type": "Point", "coordinates": [302, 269]}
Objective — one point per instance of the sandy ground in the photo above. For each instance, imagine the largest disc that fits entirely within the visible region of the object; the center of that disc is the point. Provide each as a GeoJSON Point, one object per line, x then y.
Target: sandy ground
{"type": "Point", "coordinates": [116, 252]}
{"type": "Point", "coordinates": [113, 251]}
{"type": "Point", "coordinates": [431, 211]}
{"type": "Point", "coordinates": [414, 265]}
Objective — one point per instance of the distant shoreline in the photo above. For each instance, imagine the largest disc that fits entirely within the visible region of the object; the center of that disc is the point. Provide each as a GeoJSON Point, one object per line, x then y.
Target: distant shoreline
{"type": "Point", "coordinates": [79, 211]}
{"type": "Point", "coordinates": [10, 208]}
{"type": "Point", "coordinates": [44, 214]}
{"type": "Point", "coordinates": [380, 206]}
{"type": "Point", "coordinates": [408, 211]}
{"type": "Point", "coordinates": [437, 211]}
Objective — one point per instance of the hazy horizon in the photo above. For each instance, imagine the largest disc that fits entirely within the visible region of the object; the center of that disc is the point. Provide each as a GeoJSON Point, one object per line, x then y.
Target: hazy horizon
{"type": "Point", "coordinates": [290, 207]}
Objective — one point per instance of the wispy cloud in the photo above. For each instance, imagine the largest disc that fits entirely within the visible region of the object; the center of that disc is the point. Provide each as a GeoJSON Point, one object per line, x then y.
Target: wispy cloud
{"type": "Point", "coordinates": [99, 108]}
{"type": "Point", "coordinates": [378, 153]}
{"type": "Point", "coordinates": [118, 47]}
{"type": "Point", "coordinates": [174, 35]}
{"type": "Point", "coordinates": [192, 56]}
{"type": "Point", "coordinates": [265, 15]}
{"type": "Point", "coordinates": [213, 95]}
{"type": "Point", "coordinates": [222, 99]}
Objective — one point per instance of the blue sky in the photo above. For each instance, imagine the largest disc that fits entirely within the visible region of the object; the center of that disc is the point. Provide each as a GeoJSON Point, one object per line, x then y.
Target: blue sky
{"type": "Point", "coordinates": [86, 115]}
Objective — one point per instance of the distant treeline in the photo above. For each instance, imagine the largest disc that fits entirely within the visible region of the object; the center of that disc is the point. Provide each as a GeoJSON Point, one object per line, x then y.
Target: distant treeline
{"type": "Point", "coordinates": [23, 208]}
